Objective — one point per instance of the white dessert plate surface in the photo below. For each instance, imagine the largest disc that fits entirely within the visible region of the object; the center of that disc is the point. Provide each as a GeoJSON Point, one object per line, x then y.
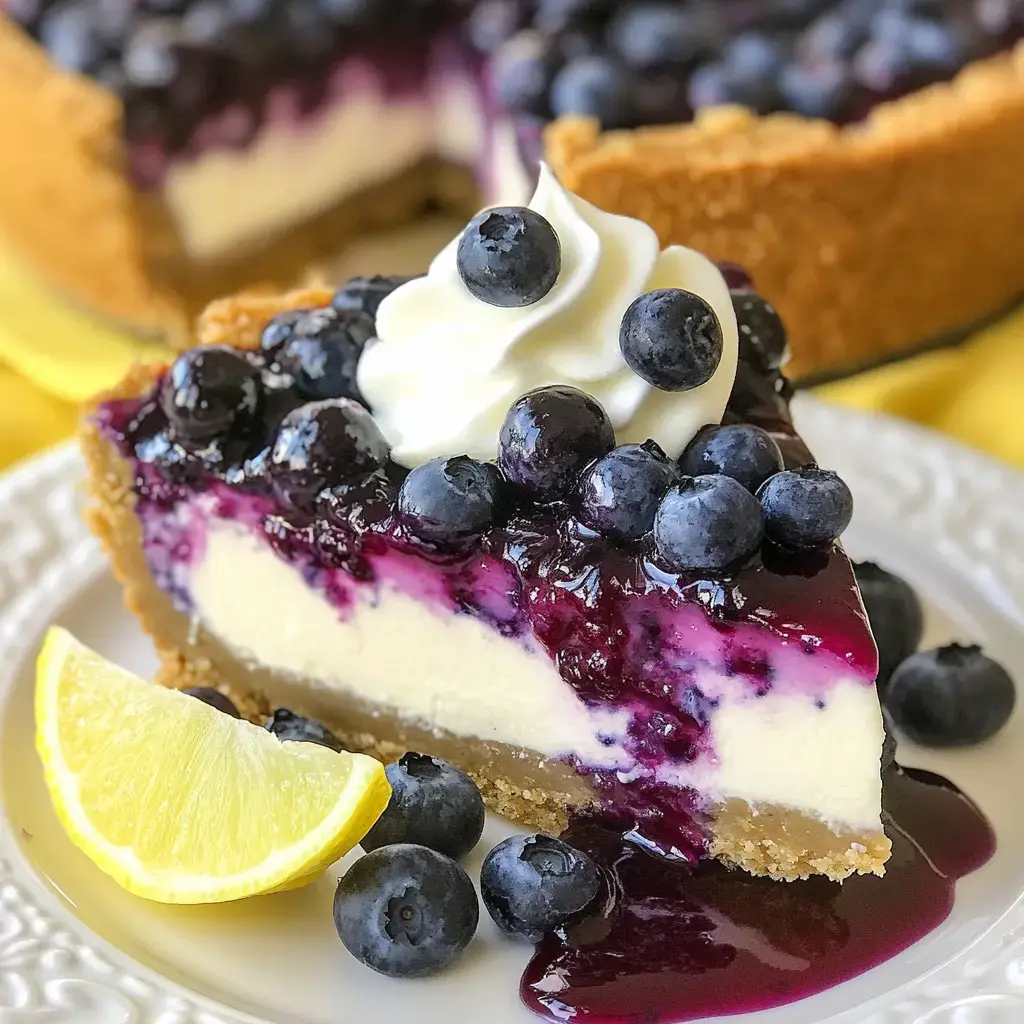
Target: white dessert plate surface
{"type": "Point", "coordinates": [75, 949]}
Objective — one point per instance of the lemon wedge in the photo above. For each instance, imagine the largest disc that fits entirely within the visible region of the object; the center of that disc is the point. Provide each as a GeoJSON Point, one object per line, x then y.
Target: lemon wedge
{"type": "Point", "coordinates": [180, 803]}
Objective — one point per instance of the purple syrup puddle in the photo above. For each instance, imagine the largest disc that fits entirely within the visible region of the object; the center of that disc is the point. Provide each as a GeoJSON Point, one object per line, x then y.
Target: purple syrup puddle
{"type": "Point", "coordinates": [674, 943]}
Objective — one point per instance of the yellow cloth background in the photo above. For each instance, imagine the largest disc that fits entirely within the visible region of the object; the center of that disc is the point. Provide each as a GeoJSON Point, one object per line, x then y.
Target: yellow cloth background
{"type": "Point", "coordinates": [53, 357]}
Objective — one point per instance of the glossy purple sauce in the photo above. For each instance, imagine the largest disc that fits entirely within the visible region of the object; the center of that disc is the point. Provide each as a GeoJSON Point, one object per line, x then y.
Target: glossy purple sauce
{"type": "Point", "coordinates": [671, 943]}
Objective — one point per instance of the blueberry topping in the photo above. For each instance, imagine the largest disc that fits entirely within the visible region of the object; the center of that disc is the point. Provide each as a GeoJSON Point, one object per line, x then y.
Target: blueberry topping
{"type": "Point", "coordinates": [824, 89]}
{"type": "Point", "coordinates": [805, 508]}
{"type": "Point", "coordinates": [69, 33]}
{"type": "Point", "coordinates": [521, 73]}
{"type": "Point", "coordinates": [406, 911]}
{"type": "Point", "coordinates": [325, 444]}
{"type": "Point", "coordinates": [533, 884]}
{"type": "Point", "coordinates": [659, 36]}
{"type": "Point", "coordinates": [744, 452]}
{"type": "Point", "coordinates": [279, 329]}
{"type": "Point", "coordinates": [491, 23]}
{"type": "Point", "coordinates": [554, 16]}
{"type": "Point", "coordinates": [950, 697]}
{"type": "Point", "coordinates": [216, 699]}
{"type": "Point", "coordinates": [747, 73]}
{"type": "Point", "coordinates": [323, 350]}
{"type": "Point", "coordinates": [762, 336]}
{"type": "Point", "coordinates": [432, 804]}
{"type": "Point", "coordinates": [207, 391]}
{"type": "Point", "coordinates": [672, 338]}
{"type": "Point", "coordinates": [509, 256]}
{"type": "Point", "coordinates": [619, 493]}
{"type": "Point", "coordinates": [548, 436]}
{"type": "Point", "coordinates": [707, 524]}
{"type": "Point", "coordinates": [594, 86]}
{"type": "Point", "coordinates": [895, 614]}
{"type": "Point", "coordinates": [444, 501]}
{"type": "Point", "coordinates": [288, 726]}
{"type": "Point", "coordinates": [365, 294]}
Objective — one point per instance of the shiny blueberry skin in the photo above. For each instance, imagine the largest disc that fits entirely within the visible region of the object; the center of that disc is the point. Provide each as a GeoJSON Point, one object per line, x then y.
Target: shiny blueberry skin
{"type": "Point", "coordinates": [444, 501]}
{"type": "Point", "coordinates": [323, 350]}
{"type": "Point", "coordinates": [619, 493]}
{"type": "Point", "coordinates": [594, 86]}
{"type": "Point", "coordinates": [895, 614]}
{"type": "Point", "coordinates": [950, 697]}
{"type": "Point", "coordinates": [208, 391]}
{"type": "Point", "coordinates": [286, 725]}
{"type": "Point", "coordinates": [216, 699]}
{"type": "Point", "coordinates": [324, 444]}
{"type": "Point", "coordinates": [707, 524]}
{"type": "Point", "coordinates": [279, 329]}
{"type": "Point", "coordinates": [740, 450]}
{"type": "Point", "coordinates": [762, 334]}
{"type": "Point", "coordinates": [365, 294]}
{"type": "Point", "coordinates": [406, 911]}
{"type": "Point", "coordinates": [547, 438]}
{"type": "Point", "coordinates": [432, 804]}
{"type": "Point", "coordinates": [509, 256]}
{"type": "Point", "coordinates": [805, 508]}
{"type": "Point", "coordinates": [533, 884]}
{"type": "Point", "coordinates": [672, 338]}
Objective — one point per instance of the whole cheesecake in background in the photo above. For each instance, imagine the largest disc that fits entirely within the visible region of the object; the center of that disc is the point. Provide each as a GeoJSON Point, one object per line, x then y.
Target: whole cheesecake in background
{"type": "Point", "coordinates": [505, 514]}
{"type": "Point", "coordinates": [170, 152]}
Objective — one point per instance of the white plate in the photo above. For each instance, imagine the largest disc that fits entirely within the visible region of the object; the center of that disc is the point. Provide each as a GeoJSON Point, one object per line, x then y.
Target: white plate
{"type": "Point", "coordinates": [75, 949]}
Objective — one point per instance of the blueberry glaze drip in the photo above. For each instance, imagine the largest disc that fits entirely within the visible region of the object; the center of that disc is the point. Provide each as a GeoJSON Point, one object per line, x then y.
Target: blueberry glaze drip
{"type": "Point", "coordinates": [619, 628]}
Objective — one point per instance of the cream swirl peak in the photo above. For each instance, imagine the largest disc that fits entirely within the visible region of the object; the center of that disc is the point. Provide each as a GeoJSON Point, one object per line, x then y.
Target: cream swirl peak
{"type": "Point", "coordinates": [447, 366]}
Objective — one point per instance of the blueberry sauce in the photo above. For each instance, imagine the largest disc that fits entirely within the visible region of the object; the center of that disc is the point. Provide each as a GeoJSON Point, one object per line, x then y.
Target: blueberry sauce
{"type": "Point", "coordinates": [670, 943]}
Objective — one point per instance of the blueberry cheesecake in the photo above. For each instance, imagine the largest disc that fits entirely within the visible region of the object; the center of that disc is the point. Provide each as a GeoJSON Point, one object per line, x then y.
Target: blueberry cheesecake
{"type": "Point", "coordinates": [192, 148]}
{"type": "Point", "coordinates": [542, 513]}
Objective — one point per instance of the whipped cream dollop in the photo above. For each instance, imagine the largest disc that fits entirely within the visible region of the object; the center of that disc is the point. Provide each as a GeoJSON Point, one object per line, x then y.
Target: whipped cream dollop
{"type": "Point", "coordinates": [446, 366]}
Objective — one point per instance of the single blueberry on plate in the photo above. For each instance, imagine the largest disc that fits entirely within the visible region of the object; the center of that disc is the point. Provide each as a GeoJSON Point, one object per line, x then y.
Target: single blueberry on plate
{"type": "Point", "coordinates": [365, 294]}
{"type": "Point", "coordinates": [406, 911]}
{"type": "Point", "coordinates": [322, 351]}
{"type": "Point", "coordinates": [619, 493]}
{"type": "Point", "coordinates": [279, 329]}
{"type": "Point", "coordinates": [707, 524]}
{"type": "Point", "coordinates": [895, 614]}
{"type": "Point", "coordinates": [548, 436]}
{"type": "Point", "coordinates": [208, 391]}
{"type": "Point", "coordinates": [532, 884]}
{"type": "Point", "coordinates": [432, 804]}
{"type": "Point", "coordinates": [444, 501]}
{"type": "Point", "coordinates": [953, 696]}
{"type": "Point", "coordinates": [740, 450]}
{"type": "Point", "coordinates": [672, 339]}
{"type": "Point", "coordinates": [762, 335]}
{"type": "Point", "coordinates": [324, 444]}
{"type": "Point", "coordinates": [594, 86]}
{"type": "Point", "coordinates": [805, 508]}
{"type": "Point", "coordinates": [509, 256]}
{"type": "Point", "coordinates": [216, 699]}
{"type": "Point", "coordinates": [287, 725]}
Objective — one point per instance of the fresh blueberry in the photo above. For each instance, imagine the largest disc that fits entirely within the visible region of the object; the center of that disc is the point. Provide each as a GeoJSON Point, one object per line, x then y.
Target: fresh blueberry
{"type": "Point", "coordinates": [736, 277]}
{"type": "Point", "coordinates": [509, 256]}
{"type": "Point", "coordinates": [25, 13]}
{"type": "Point", "coordinates": [594, 86]}
{"type": "Point", "coordinates": [747, 74]}
{"type": "Point", "coordinates": [533, 884]}
{"type": "Point", "coordinates": [216, 699]}
{"type": "Point", "coordinates": [805, 508]}
{"type": "Point", "coordinates": [444, 501]}
{"type": "Point", "coordinates": [838, 33]}
{"type": "Point", "coordinates": [950, 697]}
{"type": "Point", "coordinates": [521, 73]}
{"type": "Point", "coordinates": [762, 336]}
{"type": "Point", "coordinates": [823, 89]}
{"type": "Point", "coordinates": [325, 444]}
{"type": "Point", "coordinates": [707, 524]}
{"type": "Point", "coordinates": [895, 614]}
{"type": "Point", "coordinates": [672, 338]}
{"type": "Point", "coordinates": [365, 294]}
{"type": "Point", "coordinates": [548, 436]}
{"type": "Point", "coordinates": [740, 450]}
{"type": "Point", "coordinates": [209, 390]}
{"type": "Point", "coordinates": [657, 36]}
{"type": "Point", "coordinates": [432, 804]}
{"type": "Point", "coordinates": [406, 911]}
{"type": "Point", "coordinates": [279, 330]}
{"type": "Point", "coordinates": [69, 33]}
{"type": "Point", "coordinates": [286, 725]}
{"type": "Point", "coordinates": [152, 54]}
{"type": "Point", "coordinates": [323, 350]}
{"type": "Point", "coordinates": [491, 23]}
{"type": "Point", "coordinates": [619, 493]}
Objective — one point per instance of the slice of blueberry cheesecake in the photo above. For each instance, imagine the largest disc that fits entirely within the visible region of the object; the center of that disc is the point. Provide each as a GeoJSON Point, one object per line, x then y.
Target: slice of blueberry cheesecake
{"type": "Point", "coordinates": [541, 512]}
